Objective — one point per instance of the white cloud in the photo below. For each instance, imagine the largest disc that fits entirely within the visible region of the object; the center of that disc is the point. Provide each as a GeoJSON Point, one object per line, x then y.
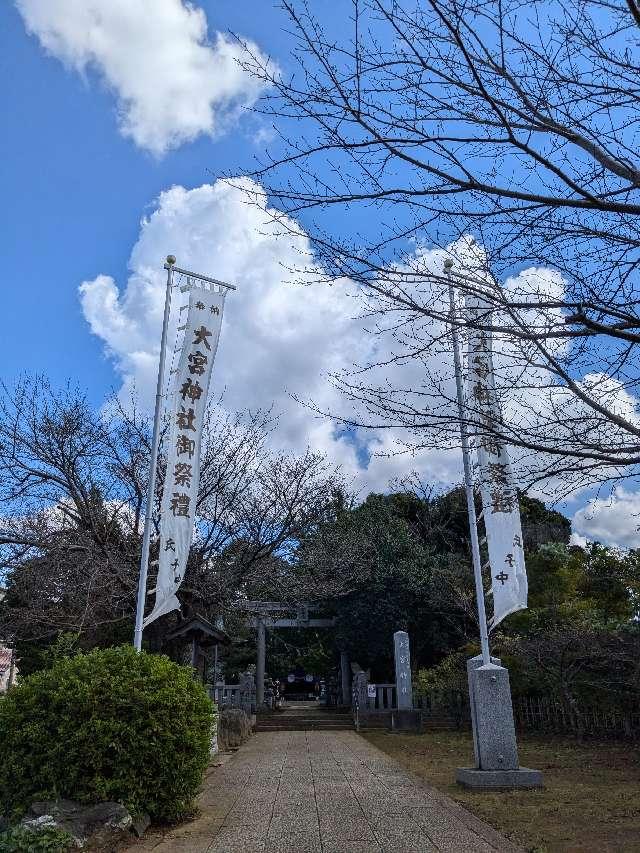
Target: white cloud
{"type": "Point", "coordinates": [614, 520]}
{"type": "Point", "coordinates": [171, 80]}
{"type": "Point", "coordinates": [279, 337]}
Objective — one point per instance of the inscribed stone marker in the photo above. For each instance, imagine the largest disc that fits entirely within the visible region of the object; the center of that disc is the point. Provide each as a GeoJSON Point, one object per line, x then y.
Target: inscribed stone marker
{"type": "Point", "coordinates": [403, 669]}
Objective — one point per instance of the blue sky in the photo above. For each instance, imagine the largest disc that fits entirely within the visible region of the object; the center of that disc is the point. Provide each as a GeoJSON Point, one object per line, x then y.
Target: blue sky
{"type": "Point", "coordinates": [76, 190]}
{"type": "Point", "coordinates": [81, 167]}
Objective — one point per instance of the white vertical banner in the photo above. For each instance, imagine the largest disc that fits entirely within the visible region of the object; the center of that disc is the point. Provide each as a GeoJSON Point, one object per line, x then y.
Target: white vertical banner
{"type": "Point", "coordinates": [187, 405]}
{"type": "Point", "coordinates": [499, 497]}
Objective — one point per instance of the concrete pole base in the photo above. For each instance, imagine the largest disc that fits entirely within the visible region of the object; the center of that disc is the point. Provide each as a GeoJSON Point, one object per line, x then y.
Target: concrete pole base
{"type": "Point", "coordinates": [498, 780]}
{"type": "Point", "coordinates": [494, 734]}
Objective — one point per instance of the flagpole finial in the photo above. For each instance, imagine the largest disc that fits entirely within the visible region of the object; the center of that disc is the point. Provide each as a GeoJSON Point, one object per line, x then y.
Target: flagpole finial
{"type": "Point", "coordinates": [171, 260]}
{"type": "Point", "coordinates": [448, 263]}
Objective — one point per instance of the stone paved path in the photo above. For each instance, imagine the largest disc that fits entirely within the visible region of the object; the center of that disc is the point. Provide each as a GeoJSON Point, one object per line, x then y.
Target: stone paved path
{"type": "Point", "coordinates": [322, 792]}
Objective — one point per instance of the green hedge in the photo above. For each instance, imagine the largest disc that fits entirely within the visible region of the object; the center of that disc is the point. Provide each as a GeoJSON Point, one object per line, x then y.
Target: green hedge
{"type": "Point", "coordinates": [20, 839]}
{"type": "Point", "coordinates": [113, 724]}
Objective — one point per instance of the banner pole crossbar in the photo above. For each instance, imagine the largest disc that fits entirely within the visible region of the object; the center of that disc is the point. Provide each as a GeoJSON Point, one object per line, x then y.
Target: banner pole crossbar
{"type": "Point", "coordinates": [200, 277]}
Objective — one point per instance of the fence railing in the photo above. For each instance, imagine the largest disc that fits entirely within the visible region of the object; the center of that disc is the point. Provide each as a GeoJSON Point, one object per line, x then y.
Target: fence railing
{"type": "Point", "coordinates": [234, 696]}
{"type": "Point", "coordinates": [535, 714]}
{"type": "Point", "coordinates": [384, 700]}
{"type": "Point", "coordinates": [540, 713]}
{"type": "Point", "coordinates": [371, 709]}
{"type": "Point", "coordinates": [450, 709]}
{"type": "Point", "coordinates": [447, 708]}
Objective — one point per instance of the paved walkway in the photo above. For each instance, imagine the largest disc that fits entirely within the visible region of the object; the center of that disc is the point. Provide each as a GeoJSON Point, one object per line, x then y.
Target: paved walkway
{"type": "Point", "coordinates": [322, 792]}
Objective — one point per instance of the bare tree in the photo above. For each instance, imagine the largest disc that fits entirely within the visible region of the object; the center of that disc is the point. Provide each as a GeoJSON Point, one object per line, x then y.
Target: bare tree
{"type": "Point", "coordinates": [72, 485]}
{"type": "Point", "coordinates": [514, 124]}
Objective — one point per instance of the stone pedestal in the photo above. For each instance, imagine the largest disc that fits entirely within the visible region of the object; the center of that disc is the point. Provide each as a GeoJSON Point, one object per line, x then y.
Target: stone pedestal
{"type": "Point", "coordinates": [406, 720]}
{"type": "Point", "coordinates": [494, 735]}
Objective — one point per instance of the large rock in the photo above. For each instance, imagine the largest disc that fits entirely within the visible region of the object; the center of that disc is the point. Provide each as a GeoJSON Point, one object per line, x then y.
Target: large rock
{"type": "Point", "coordinates": [234, 728]}
{"type": "Point", "coordinates": [102, 826]}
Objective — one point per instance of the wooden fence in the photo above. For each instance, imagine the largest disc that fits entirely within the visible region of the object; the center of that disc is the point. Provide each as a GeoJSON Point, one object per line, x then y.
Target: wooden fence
{"type": "Point", "coordinates": [444, 709]}
{"type": "Point", "coordinates": [539, 713]}
{"type": "Point", "coordinates": [450, 709]}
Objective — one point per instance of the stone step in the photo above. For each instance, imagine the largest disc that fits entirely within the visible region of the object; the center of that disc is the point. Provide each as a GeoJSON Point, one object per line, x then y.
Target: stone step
{"type": "Point", "coordinates": [302, 720]}
{"type": "Point", "coordinates": [319, 712]}
{"type": "Point", "coordinates": [304, 715]}
{"type": "Point", "coordinates": [315, 723]}
{"type": "Point", "coordinates": [309, 709]}
{"type": "Point", "coordinates": [278, 721]}
{"type": "Point", "coordinates": [297, 723]}
{"type": "Point", "coordinates": [301, 727]}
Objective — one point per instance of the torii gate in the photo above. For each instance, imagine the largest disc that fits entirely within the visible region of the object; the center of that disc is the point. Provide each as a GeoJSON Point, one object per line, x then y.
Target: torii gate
{"type": "Point", "coordinates": [277, 614]}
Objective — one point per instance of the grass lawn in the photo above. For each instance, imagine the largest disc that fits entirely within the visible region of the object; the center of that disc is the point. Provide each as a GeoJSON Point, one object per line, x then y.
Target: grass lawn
{"type": "Point", "coordinates": [590, 802]}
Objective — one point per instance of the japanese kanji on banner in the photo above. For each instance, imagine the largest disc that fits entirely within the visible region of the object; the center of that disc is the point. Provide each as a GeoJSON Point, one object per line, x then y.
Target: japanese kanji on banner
{"type": "Point", "coordinates": [499, 497]}
{"type": "Point", "coordinates": [187, 405]}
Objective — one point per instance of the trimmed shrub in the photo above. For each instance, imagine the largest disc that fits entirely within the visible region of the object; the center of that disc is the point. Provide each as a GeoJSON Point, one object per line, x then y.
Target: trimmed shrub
{"type": "Point", "coordinates": [22, 839]}
{"type": "Point", "coordinates": [113, 724]}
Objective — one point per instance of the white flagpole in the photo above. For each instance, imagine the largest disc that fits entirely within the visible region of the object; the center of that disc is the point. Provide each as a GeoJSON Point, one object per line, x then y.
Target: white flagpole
{"type": "Point", "coordinates": [468, 477]}
{"type": "Point", "coordinates": [146, 538]}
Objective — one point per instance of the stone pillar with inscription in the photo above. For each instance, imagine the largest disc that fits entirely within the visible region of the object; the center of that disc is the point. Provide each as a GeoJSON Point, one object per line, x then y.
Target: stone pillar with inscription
{"type": "Point", "coordinates": [402, 658]}
{"type": "Point", "coordinates": [404, 717]}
